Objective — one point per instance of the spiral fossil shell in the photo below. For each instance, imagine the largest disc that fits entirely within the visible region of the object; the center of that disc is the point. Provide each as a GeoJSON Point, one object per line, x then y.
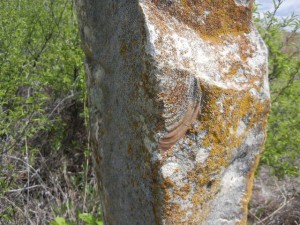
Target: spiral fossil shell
{"type": "Point", "coordinates": [179, 120]}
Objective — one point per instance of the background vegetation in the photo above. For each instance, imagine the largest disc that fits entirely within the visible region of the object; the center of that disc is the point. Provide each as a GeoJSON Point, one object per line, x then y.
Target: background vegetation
{"type": "Point", "coordinates": [276, 193]}
{"type": "Point", "coordinates": [45, 157]}
{"type": "Point", "coordinates": [283, 41]}
{"type": "Point", "coordinates": [45, 163]}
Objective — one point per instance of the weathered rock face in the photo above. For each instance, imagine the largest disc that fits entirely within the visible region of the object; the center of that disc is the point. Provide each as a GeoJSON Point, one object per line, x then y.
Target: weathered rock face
{"type": "Point", "coordinates": [178, 98]}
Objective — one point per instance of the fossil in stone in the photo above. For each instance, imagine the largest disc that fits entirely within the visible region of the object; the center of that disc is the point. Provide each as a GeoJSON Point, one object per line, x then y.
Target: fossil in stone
{"type": "Point", "coordinates": [178, 125]}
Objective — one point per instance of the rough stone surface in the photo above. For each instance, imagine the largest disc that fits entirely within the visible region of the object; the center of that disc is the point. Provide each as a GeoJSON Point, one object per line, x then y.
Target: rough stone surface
{"type": "Point", "coordinates": [178, 99]}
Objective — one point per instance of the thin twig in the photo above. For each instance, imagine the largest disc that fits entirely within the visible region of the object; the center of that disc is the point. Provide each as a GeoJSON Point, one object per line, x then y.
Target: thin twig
{"type": "Point", "coordinates": [34, 170]}
{"type": "Point", "coordinates": [285, 202]}
{"type": "Point", "coordinates": [24, 189]}
{"type": "Point", "coordinates": [64, 99]}
{"type": "Point", "coordinates": [17, 207]}
{"type": "Point", "coordinates": [252, 214]}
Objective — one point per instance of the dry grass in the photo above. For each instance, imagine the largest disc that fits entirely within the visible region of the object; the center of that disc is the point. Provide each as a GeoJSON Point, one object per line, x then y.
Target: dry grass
{"type": "Point", "coordinates": [36, 186]}
{"type": "Point", "coordinates": [275, 201]}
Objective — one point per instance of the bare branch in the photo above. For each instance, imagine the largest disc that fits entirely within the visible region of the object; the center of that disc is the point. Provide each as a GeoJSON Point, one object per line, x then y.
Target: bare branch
{"type": "Point", "coordinates": [25, 189]}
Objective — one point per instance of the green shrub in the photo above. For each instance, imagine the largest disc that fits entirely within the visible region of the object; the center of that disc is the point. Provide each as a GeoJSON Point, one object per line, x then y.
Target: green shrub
{"type": "Point", "coordinates": [282, 150]}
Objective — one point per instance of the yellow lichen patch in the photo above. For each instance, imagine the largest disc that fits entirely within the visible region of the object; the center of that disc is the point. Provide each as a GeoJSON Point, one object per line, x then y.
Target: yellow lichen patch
{"type": "Point", "coordinates": [221, 115]}
{"type": "Point", "coordinates": [191, 131]}
{"type": "Point", "coordinates": [168, 183]}
{"type": "Point", "coordinates": [222, 112]}
{"type": "Point", "coordinates": [174, 213]}
{"type": "Point", "coordinates": [167, 196]}
{"type": "Point", "coordinates": [233, 70]}
{"type": "Point", "coordinates": [205, 192]}
{"type": "Point", "coordinates": [210, 18]}
{"type": "Point", "coordinates": [248, 192]}
{"type": "Point", "coordinates": [249, 182]}
{"type": "Point", "coordinates": [182, 192]}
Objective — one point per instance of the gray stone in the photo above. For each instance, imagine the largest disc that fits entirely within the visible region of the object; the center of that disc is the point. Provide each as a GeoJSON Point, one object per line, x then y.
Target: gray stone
{"type": "Point", "coordinates": [178, 101]}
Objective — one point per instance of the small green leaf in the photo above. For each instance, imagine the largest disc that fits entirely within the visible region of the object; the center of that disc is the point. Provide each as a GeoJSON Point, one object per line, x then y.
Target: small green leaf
{"type": "Point", "coordinates": [89, 219]}
{"type": "Point", "coordinates": [59, 221]}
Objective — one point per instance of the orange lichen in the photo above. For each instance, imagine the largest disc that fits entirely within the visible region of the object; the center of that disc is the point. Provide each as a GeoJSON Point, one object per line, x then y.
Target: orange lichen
{"type": "Point", "coordinates": [233, 70]}
{"type": "Point", "coordinates": [221, 114]}
{"type": "Point", "coordinates": [210, 18]}
{"type": "Point", "coordinates": [249, 184]}
{"type": "Point", "coordinates": [247, 195]}
{"type": "Point", "coordinates": [222, 111]}
{"type": "Point", "coordinates": [174, 213]}
{"type": "Point", "coordinates": [182, 192]}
